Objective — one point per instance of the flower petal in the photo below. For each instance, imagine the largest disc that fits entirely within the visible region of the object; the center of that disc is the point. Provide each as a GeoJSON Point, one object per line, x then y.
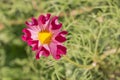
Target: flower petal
{"type": "Point", "coordinates": [43, 52]}
{"type": "Point", "coordinates": [53, 49]}
{"type": "Point", "coordinates": [46, 53]}
{"type": "Point", "coordinates": [38, 55]}
{"type": "Point", "coordinates": [42, 19]}
{"type": "Point", "coordinates": [54, 23]}
{"type": "Point", "coordinates": [34, 44]}
{"type": "Point", "coordinates": [47, 24]}
{"type": "Point", "coordinates": [33, 25]}
{"type": "Point", "coordinates": [27, 35]}
{"type": "Point", "coordinates": [35, 47]}
{"type": "Point", "coordinates": [61, 36]}
{"type": "Point", "coordinates": [61, 50]}
{"type": "Point", "coordinates": [34, 22]}
{"type": "Point", "coordinates": [56, 52]}
{"type": "Point", "coordinates": [34, 33]}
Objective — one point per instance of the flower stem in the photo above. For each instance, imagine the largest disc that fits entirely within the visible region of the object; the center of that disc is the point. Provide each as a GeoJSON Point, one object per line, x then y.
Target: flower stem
{"type": "Point", "coordinates": [78, 65]}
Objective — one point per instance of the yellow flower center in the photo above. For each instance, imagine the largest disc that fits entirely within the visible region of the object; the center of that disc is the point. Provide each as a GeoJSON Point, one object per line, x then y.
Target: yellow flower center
{"type": "Point", "coordinates": [44, 37]}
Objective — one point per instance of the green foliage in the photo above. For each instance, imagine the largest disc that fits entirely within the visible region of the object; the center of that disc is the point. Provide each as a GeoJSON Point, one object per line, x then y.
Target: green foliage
{"type": "Point", "coordinates": [93, 45]}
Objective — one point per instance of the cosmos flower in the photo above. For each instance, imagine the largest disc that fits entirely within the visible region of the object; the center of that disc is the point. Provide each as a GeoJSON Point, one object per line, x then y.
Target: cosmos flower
{"type": "Point", "coordinates": [45, 36]}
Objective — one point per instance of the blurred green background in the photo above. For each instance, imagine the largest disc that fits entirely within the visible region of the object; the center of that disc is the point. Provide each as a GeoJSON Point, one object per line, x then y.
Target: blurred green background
{"type": "Point", "coordinates": [93, 42]}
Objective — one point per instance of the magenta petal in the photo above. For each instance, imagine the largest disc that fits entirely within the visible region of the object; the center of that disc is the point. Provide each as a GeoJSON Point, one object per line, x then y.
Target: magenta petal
{"type": "Point", "coordinates": [45, 52]}
{"type": "Point", "coordinates": [48, 17]}
{"type": "Point", "coordinates": [57, 57]}
{"type": "Point", "coordinates": [23, 38]}
{"type": "Point", "coordinates": [60, 37]}
{"type": "Point", "coordinates": [55, 24]}
{"type": "Point", "coordinates": [34, 22]}
{"type": "Point", "coordinates": [64, 32]}
{"type": "Point", "coordinates": [32, 42]}
{"type": "Point", "coordinates": [35, 47]}
{"type": "Point", "coordinates": [57, 50]}
{"type": "Point", "coordinates": [42, 19]}
{"type": "Point", "coordinates": [27, 32]}
{"type": "Point", "coordinates": [27, 35]}
{"type": "Point", "coordinates": [38, 55]}
{"type": "Point", "coordinates": [61, 50]}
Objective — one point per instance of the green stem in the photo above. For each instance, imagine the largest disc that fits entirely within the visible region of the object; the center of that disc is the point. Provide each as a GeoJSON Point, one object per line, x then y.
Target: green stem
{"type": "Point", "coordinates": [97, 40]}
{"type": "Point", "coordinates": [78, 65]}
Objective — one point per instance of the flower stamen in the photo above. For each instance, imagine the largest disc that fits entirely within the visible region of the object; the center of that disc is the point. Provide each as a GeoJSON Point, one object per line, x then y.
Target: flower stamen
{"type": "Point", "coordinates": [44, 37]}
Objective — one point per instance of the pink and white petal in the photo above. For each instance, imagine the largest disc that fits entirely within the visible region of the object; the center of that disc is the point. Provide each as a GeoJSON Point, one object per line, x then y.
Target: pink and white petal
{"type": "Point", "coordinates": [33, 25]}
{"type": "Point", "coordinates": [34, 28]}
{"type": "Point", "coordinates": [53, 50]}
{"type": "Point", "coordinates": [46, 46]}
{"type": "Point", "coordinates": [34, 34]}
{"type": "Point", "coordinates": [43, 21]}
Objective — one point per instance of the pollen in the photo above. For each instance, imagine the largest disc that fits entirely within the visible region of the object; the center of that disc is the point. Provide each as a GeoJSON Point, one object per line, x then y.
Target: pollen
{"type": "Point", "coordinates": [44, 37]}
